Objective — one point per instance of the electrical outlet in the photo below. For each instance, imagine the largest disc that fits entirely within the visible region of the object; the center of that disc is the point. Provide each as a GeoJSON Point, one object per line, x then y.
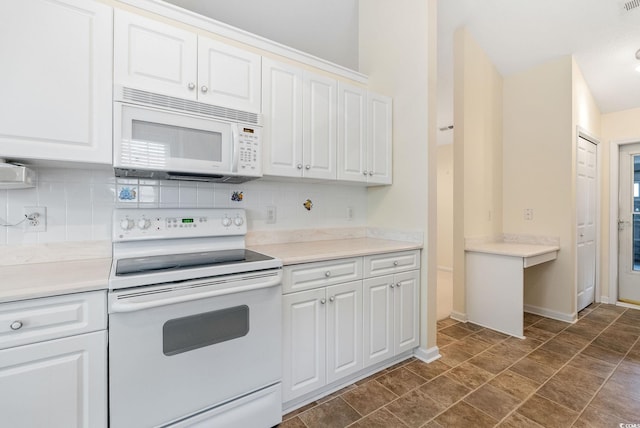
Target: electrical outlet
{"type": "Point", "coordinates": [36, 219]}
{"type": "Point", "coordinates": [349, 213]}
{"type": "Point", "coordinates": [528, 214]}
{"type": "Point", "coordinates": [271, 214]}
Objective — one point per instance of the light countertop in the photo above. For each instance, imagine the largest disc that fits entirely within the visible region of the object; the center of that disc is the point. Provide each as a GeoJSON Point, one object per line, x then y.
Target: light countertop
{"type": "Point", "coordinates": [33, 280]}
{"type": "Point", "coordinates": [314, 251]}
{"type": "Point", "coordinates": [512, 249]}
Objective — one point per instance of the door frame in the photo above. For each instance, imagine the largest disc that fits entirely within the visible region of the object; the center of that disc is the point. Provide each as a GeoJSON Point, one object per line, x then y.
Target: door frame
{"type": "Point", "coordinates": [583, 133]}
{"type": "Point", "coordinates": [614, 171]}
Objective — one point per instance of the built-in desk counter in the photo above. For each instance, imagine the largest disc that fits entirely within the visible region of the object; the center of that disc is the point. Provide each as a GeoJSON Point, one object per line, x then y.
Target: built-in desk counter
{"type": "Point", "coordinates": [495, 282]}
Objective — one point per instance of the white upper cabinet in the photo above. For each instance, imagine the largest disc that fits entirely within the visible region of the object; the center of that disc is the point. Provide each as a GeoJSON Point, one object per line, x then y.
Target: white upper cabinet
{"type": "Point", "coordinates": [299, 108]}
{"type": "Point", "coordinates": [282, 110]}
{"type": "Point", "coordinates": [352, 135]}
{"type": "Point", "coordinates": [228, 76]}
{"type": "Point", "coordinates": [56, 85]}
{"type": "Point", "coordinates": [154, 56]}
{"type": "Point", "coordinates": [364, 136]}
{"type": "Point", "coordinates": [379, 148]}
{"type": "Point", "coordinates": [157, 57]}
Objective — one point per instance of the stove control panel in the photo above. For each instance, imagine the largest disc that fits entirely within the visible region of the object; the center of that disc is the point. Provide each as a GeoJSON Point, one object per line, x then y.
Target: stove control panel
{"type": "Point", "coordinates": [133, 224]}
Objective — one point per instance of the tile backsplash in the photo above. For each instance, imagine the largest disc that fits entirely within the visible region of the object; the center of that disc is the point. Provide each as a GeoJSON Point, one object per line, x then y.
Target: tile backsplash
{"type": "Point", "coordinates": [79, 203]}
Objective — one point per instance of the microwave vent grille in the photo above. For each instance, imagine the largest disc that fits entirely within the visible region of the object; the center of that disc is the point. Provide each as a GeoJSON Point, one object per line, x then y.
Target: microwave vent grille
{"type": "Point", "coordinates": [143, 97]}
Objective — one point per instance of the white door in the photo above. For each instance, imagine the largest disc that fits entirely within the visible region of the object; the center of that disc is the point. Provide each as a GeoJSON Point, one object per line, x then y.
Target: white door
{"type": "Point", "coordinates": [282, 110]}
{"type": "Point", "coordinates": [406, 311]}
{"type": "Point", "coordinates": [154, 56]}
{"type": "Point", "coordinates": [303, 342]}
{"type": "Point", "coordinates": [319, 138]}
{"type": "Point", "coordinates": [352, 139]}
{"type": "Point", "coordinates": [56, 85]}
{"type": "Point", "coordinates": [344, 330]}
{"type": "Point", "coordinates": [379, 135]}
{"type": "Point", "coordinates": [629, 225]}
{"type": "Point", "coordinates": [228, 76]}
{"type": "Point", "coordinates": [586, 193]}
{"type": "Point", "coordinates": [378, 319]}
{"type": "Point", "coordinates": [59, 383]}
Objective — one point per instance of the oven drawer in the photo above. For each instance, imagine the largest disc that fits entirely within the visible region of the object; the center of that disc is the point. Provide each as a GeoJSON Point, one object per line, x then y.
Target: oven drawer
{"type": "Point", "coordinates": [35, 320]}
{"type": "Point", "coordinates": [385, 264]}
{"type": "Point", "coordinates": [307, 276]}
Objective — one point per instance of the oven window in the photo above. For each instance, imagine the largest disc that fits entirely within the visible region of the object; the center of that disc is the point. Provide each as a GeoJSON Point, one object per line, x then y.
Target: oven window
{"type": "Point", "coordinates": [168, 141]}
{"type": "Point", "coordinates": [197, 331]}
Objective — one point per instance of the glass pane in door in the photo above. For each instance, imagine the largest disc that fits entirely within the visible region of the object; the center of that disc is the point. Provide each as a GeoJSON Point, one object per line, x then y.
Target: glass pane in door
{"type": "Point", "coordinates": [635, 216]}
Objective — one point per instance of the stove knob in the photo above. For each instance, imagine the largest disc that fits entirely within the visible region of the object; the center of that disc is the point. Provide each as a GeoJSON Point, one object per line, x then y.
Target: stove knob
{"type": "Point", "coordinates": [144, 223]}
{"type": "Point", "coordinates": [238, 221]}
{"type": "Point", "coordinates": [126, 224]}
{"type": "Point", "coordinates": [226, 222]}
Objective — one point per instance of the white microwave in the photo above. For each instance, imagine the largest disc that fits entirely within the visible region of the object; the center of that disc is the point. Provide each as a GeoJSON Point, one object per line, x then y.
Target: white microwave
{"type": "Point", "coordinates": [183, 140]}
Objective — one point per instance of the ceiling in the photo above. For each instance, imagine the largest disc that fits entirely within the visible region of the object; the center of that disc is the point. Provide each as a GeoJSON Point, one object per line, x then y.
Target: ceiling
{"type": "Point", "coordinates": [518, 34]}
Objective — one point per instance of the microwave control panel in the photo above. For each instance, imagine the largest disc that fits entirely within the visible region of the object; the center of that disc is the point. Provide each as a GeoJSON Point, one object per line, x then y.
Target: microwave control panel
{"type": "Point", "coordinates": [250, 146]}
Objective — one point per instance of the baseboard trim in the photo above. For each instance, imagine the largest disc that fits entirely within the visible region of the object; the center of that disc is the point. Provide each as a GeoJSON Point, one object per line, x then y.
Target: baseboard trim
{"type": "Point", "coordinates": [604, 299]}
{"type": "Point", "coordinates": [627, 305]}
{"type": "Point", "coordinates": [544, 312]}
{"type": "Point", "coordinates": [458, 316]}
{"type": "Point", "coordinates": [427, 355]}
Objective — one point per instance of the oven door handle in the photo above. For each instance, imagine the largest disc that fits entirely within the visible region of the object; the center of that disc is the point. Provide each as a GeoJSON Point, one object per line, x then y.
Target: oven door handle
{"type": "Point", "coordinates": [124, 303]}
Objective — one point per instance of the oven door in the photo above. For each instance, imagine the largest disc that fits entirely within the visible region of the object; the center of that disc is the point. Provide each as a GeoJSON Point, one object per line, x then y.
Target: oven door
{"type": "Point", "coordinates": [177, 350]}
{"type": "Point", "coordinates": [159, 140]}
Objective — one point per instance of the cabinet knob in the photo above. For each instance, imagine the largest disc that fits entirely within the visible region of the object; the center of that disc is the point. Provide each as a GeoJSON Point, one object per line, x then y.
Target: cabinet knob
{"type": "Point", "coordinates": [331, 299]}
{"type": "Point", "coordinates": [299, 166]}
{"type": "Point", "coordinates": [307, 167]}
{"type": "Point", "coordinates": [364, 173]}
{"type": "Point", "coordinates": [323, 301]}
{"type": "Point", "coordinates": [327, 273]}
{"type": "Point", "coordinates": [191, 86]}
{"type": "Point", "coordinates": [204, 89]}
{"type": "Point", "coordinates": [370, 173]}
{"type": "Point", "coordinates": [16, 325]}
{"type": "Point", "coordinates": [395, 263]}
{"type": "Point", "coordinates": [392, 285]}
{"type": "Point", "coordinates": [398, 284]}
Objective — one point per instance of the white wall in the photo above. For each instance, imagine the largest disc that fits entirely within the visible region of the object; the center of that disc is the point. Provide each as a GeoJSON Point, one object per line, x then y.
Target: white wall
{"type": "Point", "coordinates": [327, 29]}
{"type": "Point", "coordinates": [79, 203]}
{"type": "Point", "coordinates": [397, 51]}
{"type": "Point", "coordinates": [445, 206]}
{"type": "Point", "coordinates": [477, 148]}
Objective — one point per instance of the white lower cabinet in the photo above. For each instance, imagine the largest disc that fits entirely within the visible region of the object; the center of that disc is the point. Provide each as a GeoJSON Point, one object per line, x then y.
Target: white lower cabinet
{"type": "Point", "coordinates": [391, 315]}
{"type": "Point", "coordinates": [335, 324]}
{"type": "Point", "coordinates": [322, 332]}
{"type": "Point", "coordinates": [56, 383]}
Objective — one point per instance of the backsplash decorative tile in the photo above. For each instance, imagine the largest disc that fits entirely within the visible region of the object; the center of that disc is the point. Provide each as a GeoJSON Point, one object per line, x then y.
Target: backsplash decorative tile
{"type": "Point", "coordinates": [80, 203]}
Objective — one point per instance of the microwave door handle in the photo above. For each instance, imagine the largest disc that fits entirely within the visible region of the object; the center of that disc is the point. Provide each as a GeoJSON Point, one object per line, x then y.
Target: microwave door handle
{"type": "Point", "coordinates": [235, 137]}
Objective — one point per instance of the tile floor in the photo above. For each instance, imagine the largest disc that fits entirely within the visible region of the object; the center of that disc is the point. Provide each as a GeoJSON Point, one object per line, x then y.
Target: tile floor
{"type": "Point", "coordinates": [562, 375]}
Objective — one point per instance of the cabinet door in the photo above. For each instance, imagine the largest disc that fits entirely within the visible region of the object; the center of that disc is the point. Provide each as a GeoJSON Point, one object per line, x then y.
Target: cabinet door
{"type": "Point", "coordinates": [379, 150]}
{"type": "Point", "coordinates": [407, 311]}
{"type": "Point", "coordinates": [228, 76]}
{"type": "Point", "coordinates": [319, 127]}
{"type": "Point", "coordinates": [378, 316]}
{"type": "Point", "coordinates": [154, 56]}
{"type": "Point", "coordinates": [282, 110]}
{"type": "Point", "coordinates": [344, 330]}
{"type": "Point", "coordinates": [352, 133]}
{"type": "Point", "coordinates": [56, 80]}
{"type": "Point", "coordinates": [60, 383]}
{"type": "Point", "coordinates": [304, 327]}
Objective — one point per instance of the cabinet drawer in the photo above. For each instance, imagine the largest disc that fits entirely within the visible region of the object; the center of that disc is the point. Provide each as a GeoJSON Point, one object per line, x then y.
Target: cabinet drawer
{"type": "Point", "coordinates": [31, 321]}
{"type": "Point", "coordinates": [313, 275]}
{"type": "Point", "coordinates": [385, 264]}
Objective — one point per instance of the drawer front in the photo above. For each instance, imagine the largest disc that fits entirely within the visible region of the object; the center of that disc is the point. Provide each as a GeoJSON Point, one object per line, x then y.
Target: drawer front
{"type": "Point", "coordinates": [35, 320]}
{"type": "Point", "coordinates": [313, 275]}
{"type": "Point", "coordinates": [385, 264]}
